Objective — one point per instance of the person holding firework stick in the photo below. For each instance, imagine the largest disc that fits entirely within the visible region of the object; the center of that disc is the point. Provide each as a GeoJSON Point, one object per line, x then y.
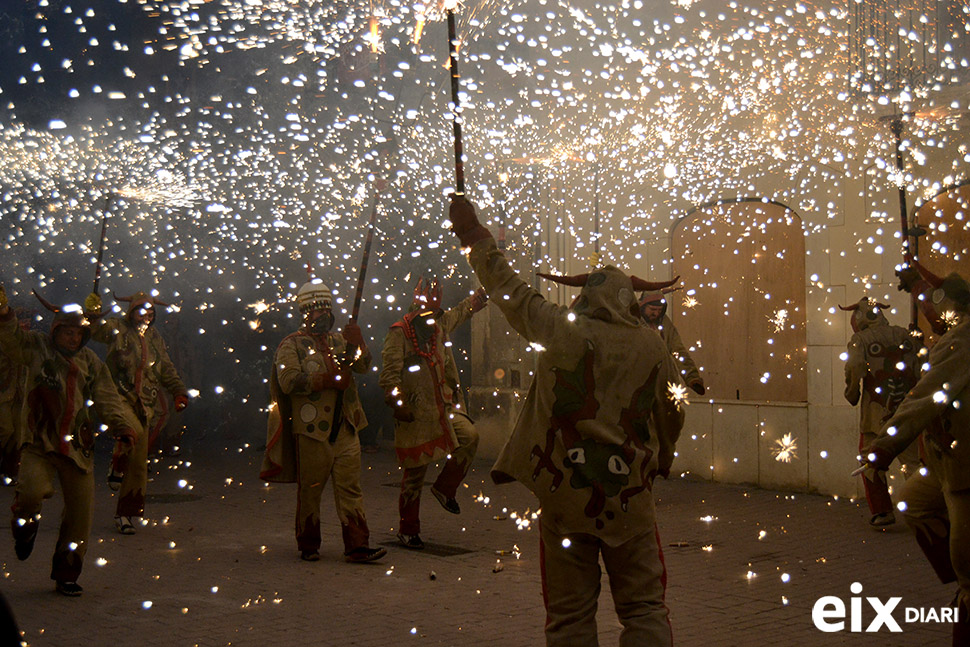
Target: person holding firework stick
{"type": "Point", "coordinates": [653, 310]}
{"type": "Point", "coordinates": [882, 365]}
{"type": "Point", "coordinates": [142, 370]}
{"type": "Point", "coordinates": [936, 501]}
{"type": "Point", "coordinates": [315, 416]}
{"type": "Point", "coordinates": [598, 426]}
{"type": "Point", "coordinates": [65, 381]}
{"type": "Point", "coordinates": [420, 381]}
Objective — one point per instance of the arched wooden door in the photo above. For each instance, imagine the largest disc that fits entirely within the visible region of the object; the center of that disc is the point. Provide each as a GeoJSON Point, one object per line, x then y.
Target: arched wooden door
{"type": "Point", "coordinates": [742, 311]}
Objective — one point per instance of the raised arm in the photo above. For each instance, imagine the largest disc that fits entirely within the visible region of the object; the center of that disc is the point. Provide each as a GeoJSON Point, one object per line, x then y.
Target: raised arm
{"type": "Point", "coordinates": [462, 312]}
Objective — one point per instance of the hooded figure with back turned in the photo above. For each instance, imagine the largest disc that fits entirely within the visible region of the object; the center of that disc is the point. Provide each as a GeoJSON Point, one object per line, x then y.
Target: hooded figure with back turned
{"type": "Point", "coordinates": [881, 367]}
{"type": "Point", "coordinates": [598, 425]}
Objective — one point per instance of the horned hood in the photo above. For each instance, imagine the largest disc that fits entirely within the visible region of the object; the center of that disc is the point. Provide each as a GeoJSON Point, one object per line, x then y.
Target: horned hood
{"type": "Point", "coordinates": [866, 313]}
{"type": "Point", "coordinates": [608, 294]}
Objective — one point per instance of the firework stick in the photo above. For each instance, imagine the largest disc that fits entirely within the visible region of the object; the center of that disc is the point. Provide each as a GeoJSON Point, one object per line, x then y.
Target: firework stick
{"type": "Point", "coordinates": [456, 110]}
{"type": "Point", "coordinates": [363, 262]}
{"type": "Point", "coordinates": [351, 351]}
{"type": "Point", "coordinates": [897, 129]}
{"type": "Point", "coordinates": [104, 230]}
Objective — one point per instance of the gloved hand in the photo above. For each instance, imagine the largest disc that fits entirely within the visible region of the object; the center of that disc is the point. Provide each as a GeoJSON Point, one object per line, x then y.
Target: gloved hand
{"type": "Point", "coordinates": [464, 221]}
{"type": "Point", "coordinates": [909, 279]}
{"type": "Point", "coordinates": [479, 300]}
{"type": "Point", "coordinates": [92, 304]}
{"type": "Point", "coordinates": [394, 399]}
{"type": "Point", "coordinates": [326, 381]}
{"type": "Point", "coordinates": [875, 459]}
{"type": "Point", "coordinates": [181, 401]}
{"type": "Point", "coordinates": [353, 335]}
{"type": "Point", "coordinates": [852, 396]}
{"type": "Point", "coordinates": [698, 387]}
{"type": "Point", "coordinates": [403, 413]}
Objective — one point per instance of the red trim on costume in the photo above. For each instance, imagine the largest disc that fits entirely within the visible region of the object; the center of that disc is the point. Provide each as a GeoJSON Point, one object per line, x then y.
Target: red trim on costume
{"type": "Point", "coordinates": [877, 492]}
{"type": "Point", "coordinates": [159, 422]}
{"type": "Point", "coordinates": [63, 445]}
{"type": "Point", "coordinates": [277, 467]}
{"type": "Point", "coordinates": [407, 327]}
{"type": "Point", "coordinates": [663, 581]}
{"type": "Point", "coordinates": [437, 381]}
{"type": "Point", "coordinates": [140, 373]}
{"type": "Point", "coordinates": [415, 453]}
{"type": "Point", "coordinates": [542, 574]}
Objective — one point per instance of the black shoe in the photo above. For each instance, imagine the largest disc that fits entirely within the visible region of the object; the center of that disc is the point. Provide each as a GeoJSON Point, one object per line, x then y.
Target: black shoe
{"type": "Point", "coordinates": [364, 554]}
{"type": "Point", "coordinates": [124, 525]}
{"type": "Point", "coordinates": [410, 541]}
{"type": "Point", "coordinates": [310, 556]}
{"type": "Point", "coordinates": [451, 505]}
{"type": "Point", "coordinates": [115, 479]}
{"type": "Point", "coordinates": [882, 520]}
{"type": "Point", "coordinates": [23, 547]}
{"type": "Point", "coordinates": [70, 589]}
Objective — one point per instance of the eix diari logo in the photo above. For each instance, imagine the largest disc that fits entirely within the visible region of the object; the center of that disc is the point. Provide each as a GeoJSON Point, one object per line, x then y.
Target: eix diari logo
{"type": "Point", "coordinates": [829, 613]}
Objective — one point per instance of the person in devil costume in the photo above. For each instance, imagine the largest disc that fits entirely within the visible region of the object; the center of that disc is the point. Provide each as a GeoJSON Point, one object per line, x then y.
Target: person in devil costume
{"type": "Point", "coordinates": [315, 414]}
{"type": "Point", "coordinates": [653, 309]}
{"type": "Point", "coordinates": [420, 381]}
{"type": "Point", "coordinates": [141, 368]}
{"type": "Point", "coordinates": [13, 377]}
{"type": "Point", "coordinates": [882, 366]}
{"type": "Point", "coordinates": [936, 501]}
{"type": "Point", "coordinates": [599, 424]}
{"type": "Point", "coordinates": [65, 381]}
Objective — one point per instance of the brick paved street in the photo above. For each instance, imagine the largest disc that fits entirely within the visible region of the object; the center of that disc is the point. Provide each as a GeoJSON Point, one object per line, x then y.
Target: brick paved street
{"type": "Point", "coordinates": [218, 566]}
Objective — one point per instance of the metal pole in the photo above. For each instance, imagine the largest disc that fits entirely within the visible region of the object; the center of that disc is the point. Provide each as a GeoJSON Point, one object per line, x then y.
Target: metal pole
{"type": "Point", "coordinates": [896, 125]}
{"type": "Point", "coordinates": [364, 261]}
{"type": "Point", "coordinates": [104, 230]}
{"type": "Point", "coordinates": [456, 109]}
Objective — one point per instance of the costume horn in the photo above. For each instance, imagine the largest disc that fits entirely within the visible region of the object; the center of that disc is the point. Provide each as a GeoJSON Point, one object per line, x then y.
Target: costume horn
{"type": "Point", "coordinates": [576, 281]}
{"type": "Point", "coordinates": [47, 304]}
{"type": "Point", "coordinates": [123, 299]}
{"type": "Point", "coordinates": [854, 306]}
{"type": "Point", "coordinates": [640, 285]}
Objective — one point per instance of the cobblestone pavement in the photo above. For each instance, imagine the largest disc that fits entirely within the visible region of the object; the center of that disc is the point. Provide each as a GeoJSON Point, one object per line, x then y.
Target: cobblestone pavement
{"type": "Point", "coordinates": [217, 565]}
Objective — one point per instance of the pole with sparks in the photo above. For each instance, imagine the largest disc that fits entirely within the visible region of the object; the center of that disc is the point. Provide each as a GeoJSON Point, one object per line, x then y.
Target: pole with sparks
{"type": "Point", "coordinates": [365, 259]}
{"type": "Point", "coordinates": [450, 6]}
{"type": "Point", "coordinates": [104, 230]}
{"type": "Point", "coordinates": [909, 246]}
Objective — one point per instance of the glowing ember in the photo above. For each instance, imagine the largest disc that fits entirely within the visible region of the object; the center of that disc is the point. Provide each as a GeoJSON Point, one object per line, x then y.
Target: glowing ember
{"type": "Point", "coordinates": [785, 449]}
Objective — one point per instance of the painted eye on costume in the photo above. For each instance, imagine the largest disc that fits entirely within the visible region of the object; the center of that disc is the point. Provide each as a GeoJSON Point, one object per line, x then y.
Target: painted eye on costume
{"type": "Point", "coordinates": [938, 295]}
{"type": "Point", "coordinates": [875, 348]}
{"type": "Point", "coordinates": [577, 455]}
{"type": "Point", "coordinates": [616, 465]}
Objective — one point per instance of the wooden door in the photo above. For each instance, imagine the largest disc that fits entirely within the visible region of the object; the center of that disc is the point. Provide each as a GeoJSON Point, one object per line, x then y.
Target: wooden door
{"type": "Point", "coordinates": [742, 311]}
